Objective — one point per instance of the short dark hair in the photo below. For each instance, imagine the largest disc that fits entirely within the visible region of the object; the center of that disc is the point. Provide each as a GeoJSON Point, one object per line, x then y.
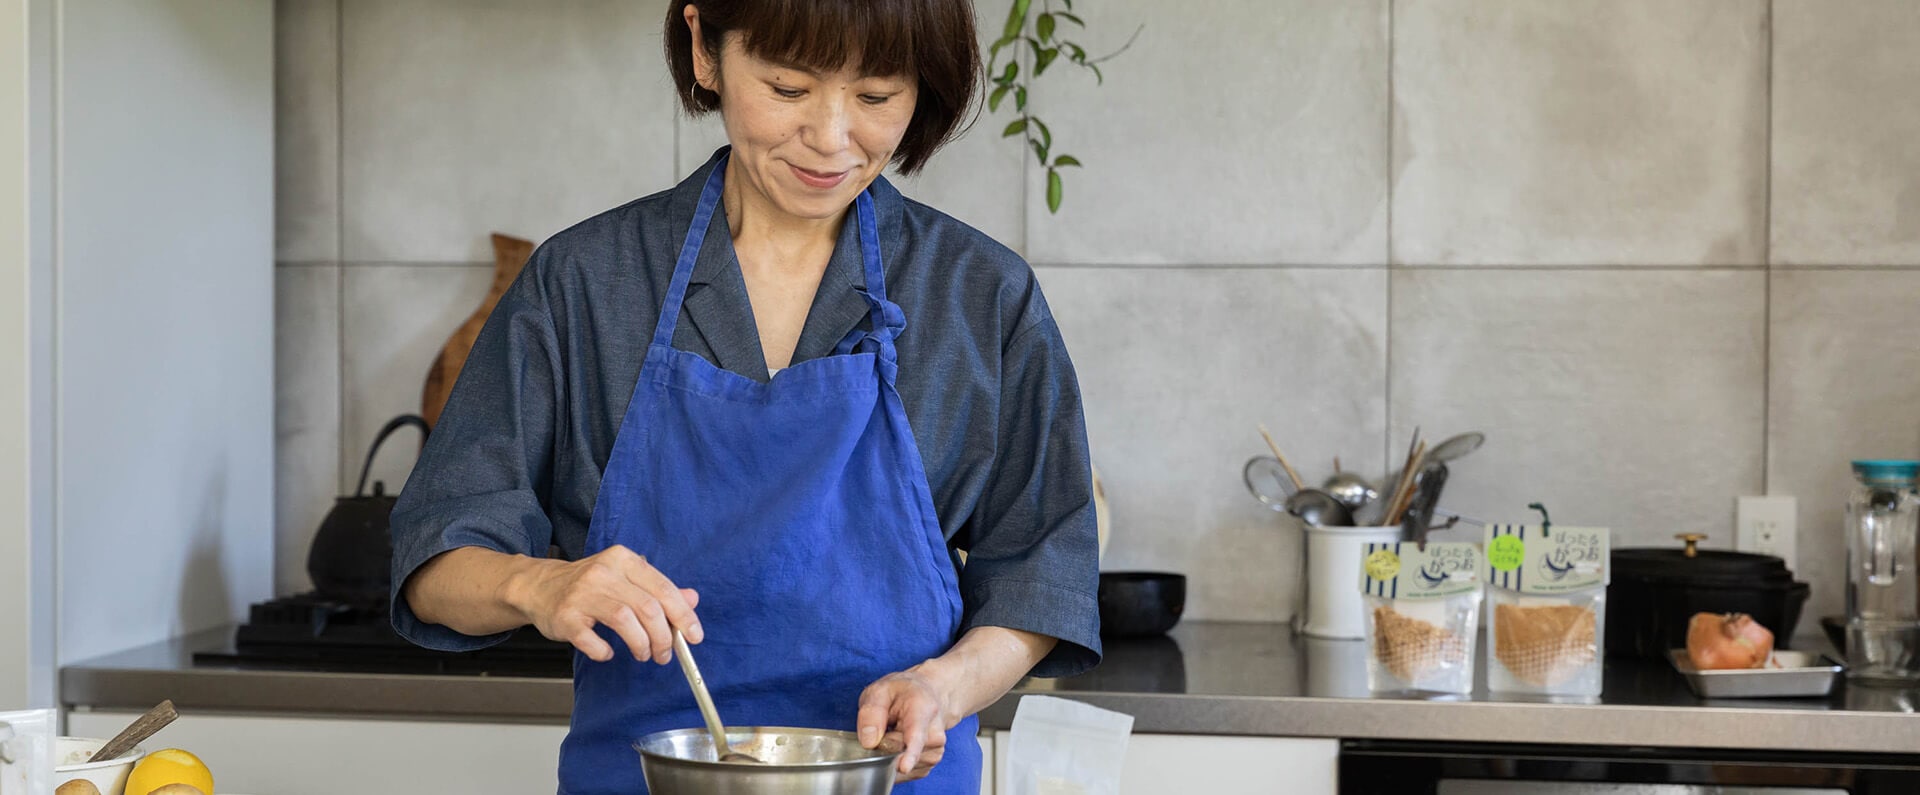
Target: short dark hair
{"type": "Point", "coordinates": [933, 40]}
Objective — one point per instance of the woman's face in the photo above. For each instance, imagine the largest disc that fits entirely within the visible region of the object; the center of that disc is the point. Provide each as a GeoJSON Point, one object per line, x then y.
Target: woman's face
{"type": "Point", "coordinates": [807, 143]}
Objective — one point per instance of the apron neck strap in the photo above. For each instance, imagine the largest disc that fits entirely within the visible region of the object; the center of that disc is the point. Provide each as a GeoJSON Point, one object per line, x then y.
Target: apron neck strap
{"type": "Point", "coordinates": [710, 196]}
{"type": "Point", "coordinates": [689, 254]}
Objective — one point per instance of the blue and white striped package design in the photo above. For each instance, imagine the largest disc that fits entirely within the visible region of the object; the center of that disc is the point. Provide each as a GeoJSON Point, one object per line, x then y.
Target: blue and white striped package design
{"type": "Point", "coordinates": [1547, 560]}
{"type": "Point", "coordinates": [1406, 571]}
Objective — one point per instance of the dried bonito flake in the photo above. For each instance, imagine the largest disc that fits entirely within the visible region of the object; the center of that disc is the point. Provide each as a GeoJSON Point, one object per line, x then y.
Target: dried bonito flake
{"type": "Point", "coordinates": [1544, 645]}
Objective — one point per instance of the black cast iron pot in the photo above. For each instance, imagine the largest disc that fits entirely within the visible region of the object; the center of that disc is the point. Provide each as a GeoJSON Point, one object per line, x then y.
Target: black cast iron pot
{"type": "Point", "coordinates": [1655, 591]}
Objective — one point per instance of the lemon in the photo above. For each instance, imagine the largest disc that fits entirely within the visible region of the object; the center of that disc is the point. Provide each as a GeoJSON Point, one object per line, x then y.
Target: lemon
{"type": "Point", "coordinates": [170, 766]}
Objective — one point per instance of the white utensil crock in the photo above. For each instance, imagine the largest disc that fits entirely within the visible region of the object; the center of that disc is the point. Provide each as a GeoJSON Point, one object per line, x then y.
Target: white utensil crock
{"type": "Point", "coordinates": [1334, 607]}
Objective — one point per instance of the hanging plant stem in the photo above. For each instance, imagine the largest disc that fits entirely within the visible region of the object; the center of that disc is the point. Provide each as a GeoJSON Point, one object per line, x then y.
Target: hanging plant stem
{"type": "Point", "coordinates": [1040, 33]}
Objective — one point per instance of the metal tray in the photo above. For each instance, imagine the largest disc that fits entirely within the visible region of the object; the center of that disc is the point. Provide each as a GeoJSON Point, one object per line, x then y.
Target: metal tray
{"type": "Point", "coordinates": [1800, 675]}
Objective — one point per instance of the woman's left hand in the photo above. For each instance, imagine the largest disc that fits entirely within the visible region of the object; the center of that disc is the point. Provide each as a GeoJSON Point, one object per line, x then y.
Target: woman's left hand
{"type": "Point", "coordinates": [907, 710]}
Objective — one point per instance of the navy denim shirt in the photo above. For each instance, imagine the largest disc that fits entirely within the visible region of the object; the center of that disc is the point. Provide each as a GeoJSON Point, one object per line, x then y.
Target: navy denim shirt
{"type": "Point", "coordinates": [514, 464]}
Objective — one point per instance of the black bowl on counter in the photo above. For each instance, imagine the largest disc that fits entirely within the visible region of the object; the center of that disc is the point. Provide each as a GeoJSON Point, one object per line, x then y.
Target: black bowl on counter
{"type": "Point", "coordinates": [1655, 591]}
{"type": "Point", "coordinates": [1136, 604]}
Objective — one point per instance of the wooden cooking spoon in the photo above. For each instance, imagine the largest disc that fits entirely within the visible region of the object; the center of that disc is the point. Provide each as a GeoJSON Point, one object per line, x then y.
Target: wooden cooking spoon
{"type": "Point", "coordinates": [142, 728]}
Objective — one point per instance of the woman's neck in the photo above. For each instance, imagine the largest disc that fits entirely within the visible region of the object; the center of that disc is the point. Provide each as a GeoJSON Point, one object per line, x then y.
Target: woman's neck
{"type": "Point", "coordinates": [767, 239]}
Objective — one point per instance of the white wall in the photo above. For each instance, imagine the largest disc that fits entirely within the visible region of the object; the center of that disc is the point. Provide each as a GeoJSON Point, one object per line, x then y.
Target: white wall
{"type": "Point", "coordinates": [165, 317]}
{"type": "Point", "coordinates": [26, 506]}
{"type": "Point", "coordinates": [16, 595]}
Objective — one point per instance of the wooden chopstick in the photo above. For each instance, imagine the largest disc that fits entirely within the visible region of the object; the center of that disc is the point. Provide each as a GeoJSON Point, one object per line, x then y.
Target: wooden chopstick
{"type": "Point", "coordinates": [1403, 496]}
{"type": "Point", "coordinates": [1291, 475]}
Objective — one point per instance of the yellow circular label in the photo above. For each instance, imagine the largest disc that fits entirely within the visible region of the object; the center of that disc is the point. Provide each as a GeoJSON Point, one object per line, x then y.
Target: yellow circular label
{"type": "Point", "coordinates": [1383, 565]}
{"type": "Point", "coordinates": [1505, 553]}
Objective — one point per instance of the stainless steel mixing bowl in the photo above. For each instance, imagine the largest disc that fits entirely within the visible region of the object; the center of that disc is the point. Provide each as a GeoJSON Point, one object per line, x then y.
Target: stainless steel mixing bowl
{"type": "Point", "coordinates": [797, 762]}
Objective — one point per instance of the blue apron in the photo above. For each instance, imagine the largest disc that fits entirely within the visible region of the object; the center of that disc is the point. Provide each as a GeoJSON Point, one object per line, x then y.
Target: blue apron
{"type": "Point", "coordinates": [799, 509]}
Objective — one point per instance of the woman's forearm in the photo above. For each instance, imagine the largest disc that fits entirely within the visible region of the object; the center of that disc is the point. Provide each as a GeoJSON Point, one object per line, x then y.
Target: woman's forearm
{"type": "Point", "coordinates": [983, 666]}
{"type": "Point", "coordinates": [470, 590]}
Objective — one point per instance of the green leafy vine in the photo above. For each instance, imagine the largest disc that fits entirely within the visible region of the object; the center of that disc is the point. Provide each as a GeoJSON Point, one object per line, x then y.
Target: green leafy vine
{"type": "Point", "coordinates": [1041, 35]}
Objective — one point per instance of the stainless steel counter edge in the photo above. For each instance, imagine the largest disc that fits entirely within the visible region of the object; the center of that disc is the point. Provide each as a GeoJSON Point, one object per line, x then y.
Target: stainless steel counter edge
{"type": "Point", "coordinates": [550, 700]}
{"type": "Point", "coordinates": [410, 696]}
{"type": "Point", "coordinates": [1246, 677]}
{"type": "Point", "coordinates": [1743, 727]}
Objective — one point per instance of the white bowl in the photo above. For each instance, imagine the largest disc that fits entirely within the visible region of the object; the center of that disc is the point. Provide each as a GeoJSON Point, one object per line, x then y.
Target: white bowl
{"type": "Point", "coordinates": [109, 776]}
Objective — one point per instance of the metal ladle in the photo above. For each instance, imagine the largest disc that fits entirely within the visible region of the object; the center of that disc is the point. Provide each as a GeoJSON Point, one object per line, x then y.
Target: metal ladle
{"type": "Point", "coordinates": [1267, 481]}
{"type": "Point", "coordinates": [1319, 509]}
{"type": "Point", "coordinates": [699, 685]}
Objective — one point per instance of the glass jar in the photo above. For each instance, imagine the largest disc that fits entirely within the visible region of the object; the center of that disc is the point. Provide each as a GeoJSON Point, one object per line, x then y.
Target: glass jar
{"type": "Point", "coordinates": [1883, 586]}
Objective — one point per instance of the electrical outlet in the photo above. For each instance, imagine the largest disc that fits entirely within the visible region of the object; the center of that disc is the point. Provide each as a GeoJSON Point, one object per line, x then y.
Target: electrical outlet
{"type": "Point", "coordinates": [1765, 525]}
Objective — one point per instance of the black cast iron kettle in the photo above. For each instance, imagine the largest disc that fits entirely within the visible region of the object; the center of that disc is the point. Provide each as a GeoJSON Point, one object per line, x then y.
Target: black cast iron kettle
{"type": "Point", "coordinates": [352, 554]}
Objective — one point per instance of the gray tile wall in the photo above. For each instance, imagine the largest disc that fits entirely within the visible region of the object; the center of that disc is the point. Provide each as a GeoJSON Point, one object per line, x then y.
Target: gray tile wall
{"type": "Point", "coordinates": [1664, 252]}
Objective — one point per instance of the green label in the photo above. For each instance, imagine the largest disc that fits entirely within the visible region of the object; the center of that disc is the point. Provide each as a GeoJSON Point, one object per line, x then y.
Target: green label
{"type": "Point", "coordinates": [1505, 553]}
{"type": "Point", "coordinates": [1536, 560]}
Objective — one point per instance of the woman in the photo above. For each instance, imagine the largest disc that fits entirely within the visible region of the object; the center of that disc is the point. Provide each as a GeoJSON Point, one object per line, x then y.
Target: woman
{"type": "Point", "coordinates": [763, 408]}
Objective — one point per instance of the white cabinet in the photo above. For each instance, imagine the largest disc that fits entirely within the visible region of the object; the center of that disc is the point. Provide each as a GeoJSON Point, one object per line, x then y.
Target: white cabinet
{"type": "Point", "coordinates": [327, 756]}
{"type": "Point", "coordinates": [986, 763]}
{"type": "Point", "coordinates": [1159, 763]}
{"type": "Point", "coordinates": [1215, 765]}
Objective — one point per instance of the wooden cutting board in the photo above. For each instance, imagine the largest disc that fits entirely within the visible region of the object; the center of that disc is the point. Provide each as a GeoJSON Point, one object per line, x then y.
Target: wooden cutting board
{"type": "Point", "coordinates": [509, 256]}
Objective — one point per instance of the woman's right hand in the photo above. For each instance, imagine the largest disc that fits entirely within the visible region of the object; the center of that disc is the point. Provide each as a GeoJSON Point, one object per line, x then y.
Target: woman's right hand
{"type": "Point", "coordinates": [615, 587]}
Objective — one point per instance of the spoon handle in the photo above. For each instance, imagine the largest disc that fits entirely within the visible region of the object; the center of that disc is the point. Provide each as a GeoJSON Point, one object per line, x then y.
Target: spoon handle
{"type": "Point", "coordinates": [699, 684]}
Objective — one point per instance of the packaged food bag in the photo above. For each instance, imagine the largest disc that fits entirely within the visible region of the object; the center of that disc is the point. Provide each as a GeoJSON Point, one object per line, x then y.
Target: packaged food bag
{"type": "Point", "coordinates": [1062, 747]}
{"type": "Point", "coordinates": [1546, 609]}
{"type": "Point", "coordinates": [1422, 607]}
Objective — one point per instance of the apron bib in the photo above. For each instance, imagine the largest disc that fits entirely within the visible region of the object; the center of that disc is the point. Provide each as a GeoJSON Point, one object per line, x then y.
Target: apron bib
{"type": "Point", "coordinates": [799, 509]}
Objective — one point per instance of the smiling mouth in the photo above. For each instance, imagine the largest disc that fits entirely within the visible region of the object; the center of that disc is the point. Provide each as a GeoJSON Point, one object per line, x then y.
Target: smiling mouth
{"type": "Point", "coordinates": [818, 179]}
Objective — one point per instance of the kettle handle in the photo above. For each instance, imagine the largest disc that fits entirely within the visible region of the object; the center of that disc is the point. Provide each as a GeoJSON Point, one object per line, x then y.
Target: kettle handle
{"type": "Point", "coordinates": [394, 424]}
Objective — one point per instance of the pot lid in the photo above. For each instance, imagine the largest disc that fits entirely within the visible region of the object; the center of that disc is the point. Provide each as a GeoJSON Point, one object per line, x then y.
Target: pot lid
{"type": "Point", "coordinates": [1703, 566]}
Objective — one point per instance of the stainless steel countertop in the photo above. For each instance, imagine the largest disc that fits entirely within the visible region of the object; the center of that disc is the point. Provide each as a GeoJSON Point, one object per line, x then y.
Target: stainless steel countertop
{"type": "Point", "coordinates": [1204, 678]}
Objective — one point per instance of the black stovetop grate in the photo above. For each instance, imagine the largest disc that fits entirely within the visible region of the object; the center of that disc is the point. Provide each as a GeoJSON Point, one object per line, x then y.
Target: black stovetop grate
{"type": "Point", "coordinates": [309, 631]}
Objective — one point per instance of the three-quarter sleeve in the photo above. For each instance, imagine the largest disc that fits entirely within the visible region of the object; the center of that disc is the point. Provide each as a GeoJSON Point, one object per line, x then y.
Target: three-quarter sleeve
{"type": "Point", "coordinates": [1033, 558]}
{"type": "Point", "coordinates": [485, 475]}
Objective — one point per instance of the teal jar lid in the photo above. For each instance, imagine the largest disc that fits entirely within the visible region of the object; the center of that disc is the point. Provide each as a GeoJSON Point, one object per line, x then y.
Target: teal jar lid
{"type": "Point", "coordinates": [1887, 469]}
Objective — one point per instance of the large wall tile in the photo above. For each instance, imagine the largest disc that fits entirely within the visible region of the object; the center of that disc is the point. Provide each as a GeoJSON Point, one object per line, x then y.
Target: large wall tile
{"type": "Point", "coordinates": [306, 413]}
{"type": "Point", "coordinates": [1626, 399]}
{"type": "Point", "coordinates": [1233, 132]}
{"type": "Point", "coordinates": [1845, 386]}
{"type": "Point", "coordinates": [1845, 121]}
{"type": "Point", "coordinates": [306, 86]}
{"type": "Point", "coordinates": [464, 118]}
{"type": "Point", "coordinates": [395, 319]}
{"type": "Point", "coordinates": [1579, 132]}
{"type": "Point", "coordinates": [1178, 366]}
